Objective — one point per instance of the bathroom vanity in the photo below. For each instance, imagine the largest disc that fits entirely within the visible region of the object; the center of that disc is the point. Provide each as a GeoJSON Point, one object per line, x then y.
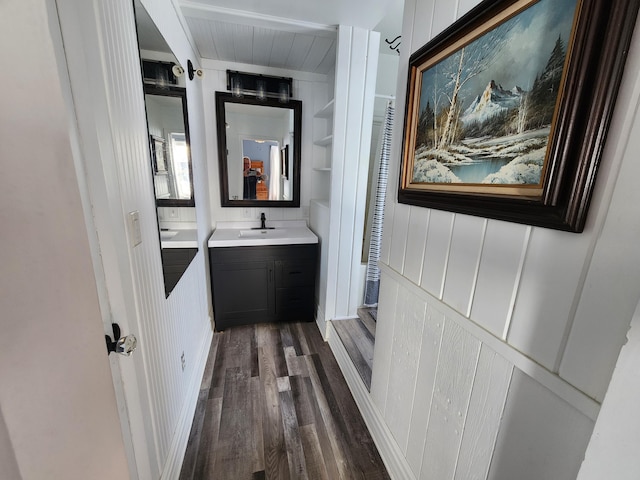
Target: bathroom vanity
{"type": "Point", "coordinates": [262, 275]}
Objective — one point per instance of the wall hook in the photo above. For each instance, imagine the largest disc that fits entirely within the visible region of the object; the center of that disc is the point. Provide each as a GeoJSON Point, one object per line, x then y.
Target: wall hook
{"type": "Point", "coordinates": [392, 43]}
{"type": "Point", "coordinates": [197, 72]}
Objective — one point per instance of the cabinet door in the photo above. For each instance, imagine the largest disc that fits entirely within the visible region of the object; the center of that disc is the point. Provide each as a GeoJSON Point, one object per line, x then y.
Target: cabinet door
{"type": "Point", "coordinates": [295, 273]}
{"type": "Point", "coordinates": [243, 293]}
{"type": "Point", "coordinates": [295, 303]}
{"type": "Point", "coordinates": [295, 280]}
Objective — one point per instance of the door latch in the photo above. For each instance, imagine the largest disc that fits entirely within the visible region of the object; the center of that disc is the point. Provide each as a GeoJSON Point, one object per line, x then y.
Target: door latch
{"type": "Point", "coordinates": [122, 345]}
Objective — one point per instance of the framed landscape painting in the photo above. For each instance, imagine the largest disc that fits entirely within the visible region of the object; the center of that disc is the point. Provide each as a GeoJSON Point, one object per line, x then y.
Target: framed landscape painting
{"type": "Point", "coordinates": [507, 110]}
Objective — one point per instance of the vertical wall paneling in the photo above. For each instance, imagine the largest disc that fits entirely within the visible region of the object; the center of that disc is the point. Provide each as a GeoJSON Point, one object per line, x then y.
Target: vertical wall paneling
{"type": "Point", "coordinates": [546, 297]}
{"type": "Point", "coordinates": [484, 415]}
{"type": "Point", "coordinates": [416, 244]}
{"type": "Point", "coordinates": [464, 6]}
{"type": "Point", "coordinates": [462, 267]}
{"type": "Point", "coordinates": [424, 23]}
{"type": "Point", "coordinates": [448, 339]}
{"type": "Point", "coordinates": [407, 339]}
{"type": "Point", "coordinates": [422, 399]}
{"type": "Point", "coordinates": [350, 159]}
{"type": "Point", "coordinates": [444, 14]}
{"type": "Point", "coordinates": [541, 436]}
{"type": "Point", "coordinates": [383, 346]}
{"type": "Point", "coordinates": [500, 266]}
{"type": "Point", "coordinates": [516, 283]}
{"type": "Point", "coordinates": [436, 253]}
{"type": "Point", "coordinates": [399, 236]}
{"type": "Point", "coordinates": [342, 74]}
{"type": "Point", "coordinates": [457, 364]}
{"type": "Point", "coordinates": [361, 151]}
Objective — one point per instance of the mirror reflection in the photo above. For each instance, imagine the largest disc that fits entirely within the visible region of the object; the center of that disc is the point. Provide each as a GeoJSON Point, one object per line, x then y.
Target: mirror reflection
{"type": "Point", "coordinates": [170, 158]}
{"type": "Point", "coordinates": [259, 151]}
{"type": "Point", "coordinates": [169, 140]}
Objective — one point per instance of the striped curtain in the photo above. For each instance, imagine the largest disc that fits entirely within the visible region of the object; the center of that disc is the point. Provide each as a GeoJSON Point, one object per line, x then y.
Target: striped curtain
{"type": "Point", "coordinates": [372, 286]}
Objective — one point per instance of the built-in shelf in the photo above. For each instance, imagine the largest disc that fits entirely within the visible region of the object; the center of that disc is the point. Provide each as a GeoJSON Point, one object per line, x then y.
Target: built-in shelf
{"type": "Point", "coordinates": [323, 142]}
{"type": "Point", "coordinates": [326, 111]}
{"type": "Point", "coordinates": [320, 205]}
{"type": "Point", "coordinates": [321, 202]}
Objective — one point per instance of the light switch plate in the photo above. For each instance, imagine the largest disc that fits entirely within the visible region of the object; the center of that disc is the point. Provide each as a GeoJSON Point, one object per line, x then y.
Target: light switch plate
{"type": "Point", "coordinates": [135, 236]}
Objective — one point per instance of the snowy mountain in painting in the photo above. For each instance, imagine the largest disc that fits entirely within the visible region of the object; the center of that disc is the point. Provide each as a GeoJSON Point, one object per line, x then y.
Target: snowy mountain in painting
{"type": "Point", "coordinates": [494, 100]}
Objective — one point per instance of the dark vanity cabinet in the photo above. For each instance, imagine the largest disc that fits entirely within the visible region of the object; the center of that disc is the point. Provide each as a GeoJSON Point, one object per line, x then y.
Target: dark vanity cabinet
{"type": "Point", "coordinates": [256, 284]}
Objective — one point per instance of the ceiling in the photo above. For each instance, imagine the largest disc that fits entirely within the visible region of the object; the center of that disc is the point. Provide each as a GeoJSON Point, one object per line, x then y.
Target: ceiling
{"type": "Point", "coordinates": [298, 35]}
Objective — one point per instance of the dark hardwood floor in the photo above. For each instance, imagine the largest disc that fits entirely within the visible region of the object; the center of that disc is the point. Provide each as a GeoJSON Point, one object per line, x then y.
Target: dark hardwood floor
{"type": "Point", "coordinates": [358, 337]}
{"type": "Point", "coordinates": [274, 405]}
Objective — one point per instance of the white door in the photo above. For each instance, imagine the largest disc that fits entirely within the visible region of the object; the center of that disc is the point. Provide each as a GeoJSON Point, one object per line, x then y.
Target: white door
{"type": "Point", "coordinates": [58, 414]}
{"type": "Point", "coordinates": [100, 47]}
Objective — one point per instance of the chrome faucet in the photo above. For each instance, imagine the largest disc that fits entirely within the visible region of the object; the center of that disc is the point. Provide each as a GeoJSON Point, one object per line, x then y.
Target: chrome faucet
{"type": "Point", "coordinates": [263, 220]}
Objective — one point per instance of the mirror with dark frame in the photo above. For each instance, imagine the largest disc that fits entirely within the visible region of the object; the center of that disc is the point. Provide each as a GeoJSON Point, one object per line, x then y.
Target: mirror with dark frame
{"type": "Point", "coordinates": [170, 157]}
{"type": "Point", "coordinates": [259, 144]}
{"type": "Point", "coordinates": [169, 140]}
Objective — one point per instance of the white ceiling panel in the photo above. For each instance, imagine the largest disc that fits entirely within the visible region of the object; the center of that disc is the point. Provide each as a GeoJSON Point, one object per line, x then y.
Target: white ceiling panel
{"type": "Point", "coordinates": [299, 51]}
{"type": "Point", "coordinates": [262, 44]}
{"type": "Point", "coordinates": [243, 43]}
{"type": "Point", "coordinates": [302, 38]}
{"type": "Point", "coordinates": [321, 49]}
{"type": "Point", "coordinates": [282, 44]}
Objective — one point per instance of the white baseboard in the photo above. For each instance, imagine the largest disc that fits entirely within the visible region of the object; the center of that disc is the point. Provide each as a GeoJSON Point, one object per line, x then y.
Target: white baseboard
{"type": "Point", "coordinates": [392, 456]}
{"type": "Point", "coordinates": [175, 457]}
{"type": "Point", "coordinates": [321, 322]}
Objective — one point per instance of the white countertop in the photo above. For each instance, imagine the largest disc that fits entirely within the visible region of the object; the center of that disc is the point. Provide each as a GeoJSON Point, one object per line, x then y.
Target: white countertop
{"type": "Point", "coordinates": [179, 238]}
{"type": "Point", "coordinates": [245, 234]}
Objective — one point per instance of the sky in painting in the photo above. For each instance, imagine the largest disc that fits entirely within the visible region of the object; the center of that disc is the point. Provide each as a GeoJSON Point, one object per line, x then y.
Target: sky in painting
{"type": "Point", "coordinates": [530, 41]}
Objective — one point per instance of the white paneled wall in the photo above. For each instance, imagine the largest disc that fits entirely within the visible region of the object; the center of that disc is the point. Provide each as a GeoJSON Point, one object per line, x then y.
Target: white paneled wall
{"type": "Point", "coordinates": [354, 90]}
{"type": "Point", "coordinates": [109, 105]}
{"type": "Point", "coordinates": [496, 341]}
{"type": "Point", "coordinates": [456, 398]}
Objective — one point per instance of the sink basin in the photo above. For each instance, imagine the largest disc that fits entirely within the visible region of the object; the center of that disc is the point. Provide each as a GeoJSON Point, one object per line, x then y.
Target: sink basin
{"type": "Point", "coordinates": [167, 234]}
{"type": "Point", "coordinates": [244, 234]}
{"type": "Point", "coordinates": [267, 233]}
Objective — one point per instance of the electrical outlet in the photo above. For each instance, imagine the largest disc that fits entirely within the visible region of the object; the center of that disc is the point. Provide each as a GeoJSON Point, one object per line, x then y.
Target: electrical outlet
{"type": "Point", "coordinates": [183, 361]}
{"type": "Point", "coordinates": [173, 213]}
{"type": "Point", "coordinates": [246, 213]}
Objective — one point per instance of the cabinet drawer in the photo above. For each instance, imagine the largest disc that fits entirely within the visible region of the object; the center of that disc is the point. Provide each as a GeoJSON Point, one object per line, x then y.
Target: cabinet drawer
{"type": "Point", "coordinates": [295, 273]}
{"type": "Point", "coordinates": [295, 302]}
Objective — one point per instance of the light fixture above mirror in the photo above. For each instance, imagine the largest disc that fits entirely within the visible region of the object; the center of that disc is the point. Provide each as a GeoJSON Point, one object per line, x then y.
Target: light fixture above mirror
{"type": "Point", "coordinates": [261, 86]}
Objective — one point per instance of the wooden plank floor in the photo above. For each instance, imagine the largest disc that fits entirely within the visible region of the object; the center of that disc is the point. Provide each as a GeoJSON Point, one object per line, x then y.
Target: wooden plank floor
{"type": "Point", "coordinates": [358, 337]}
{"type": "Point", "coordinates": [274, 405]}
